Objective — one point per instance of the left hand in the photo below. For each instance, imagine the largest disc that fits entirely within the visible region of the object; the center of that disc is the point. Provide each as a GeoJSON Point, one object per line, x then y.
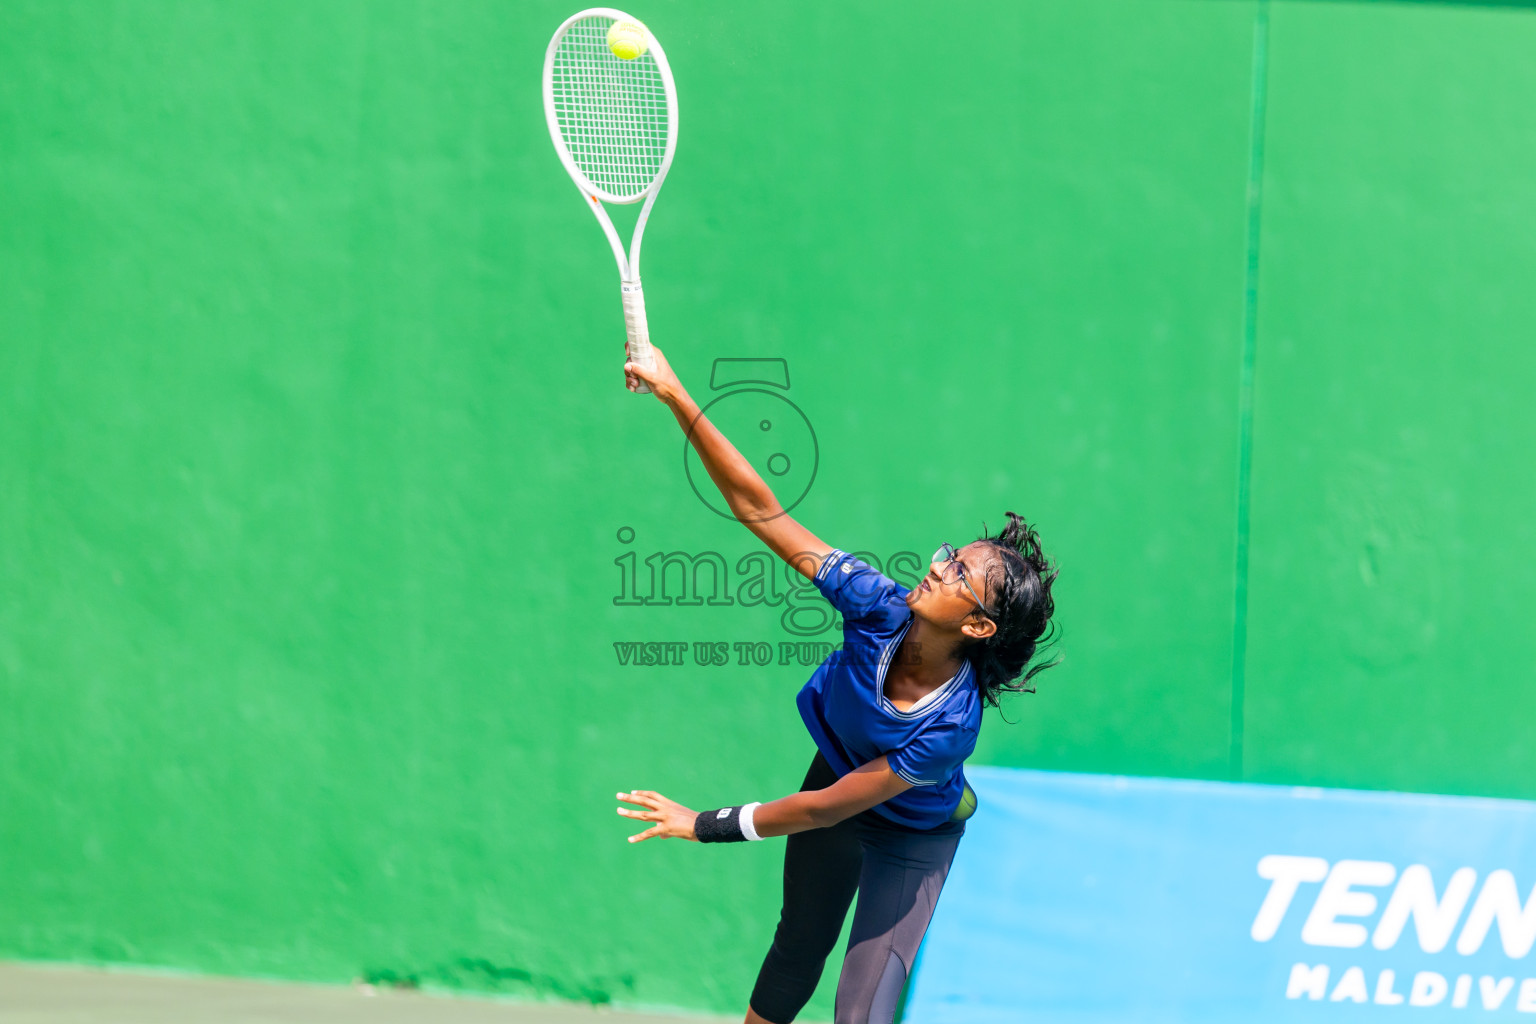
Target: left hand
{"type": "Point", "coordinates": [673, 820]}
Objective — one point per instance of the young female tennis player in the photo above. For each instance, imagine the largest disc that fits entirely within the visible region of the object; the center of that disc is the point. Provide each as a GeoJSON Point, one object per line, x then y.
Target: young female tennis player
{"type": "Point", "coordinates": [894, 715]}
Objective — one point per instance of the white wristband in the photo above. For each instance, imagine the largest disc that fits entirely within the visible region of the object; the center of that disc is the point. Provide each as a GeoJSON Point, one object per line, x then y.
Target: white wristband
{"type": "Point", "coordinates": [744, 820]}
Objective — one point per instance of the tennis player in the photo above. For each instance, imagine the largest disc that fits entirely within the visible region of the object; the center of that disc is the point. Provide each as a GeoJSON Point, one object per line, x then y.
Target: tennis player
{"type": "Point", "coordinates": [894, 714]}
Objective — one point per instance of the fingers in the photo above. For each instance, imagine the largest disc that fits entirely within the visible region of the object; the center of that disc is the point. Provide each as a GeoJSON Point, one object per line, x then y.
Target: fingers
{"type": "Point", "coordinates": [655, 810]}
{"type": "Point", "coordinates": [643, 797]}
{"type": "Point", "coordinates": [650, 833]}
{"type": "Point", "coordinates": [653, 376]}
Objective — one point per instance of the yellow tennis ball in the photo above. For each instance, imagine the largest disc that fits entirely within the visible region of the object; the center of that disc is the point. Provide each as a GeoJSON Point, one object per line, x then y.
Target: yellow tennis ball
{"type": "Point", "coordinates": [626, 39]}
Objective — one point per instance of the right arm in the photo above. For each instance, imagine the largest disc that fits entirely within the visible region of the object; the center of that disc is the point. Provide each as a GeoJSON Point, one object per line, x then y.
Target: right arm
{"type": "Point", "coordinates": [747, 494]}
{"type": "Point", "coordinates": [859, 790]}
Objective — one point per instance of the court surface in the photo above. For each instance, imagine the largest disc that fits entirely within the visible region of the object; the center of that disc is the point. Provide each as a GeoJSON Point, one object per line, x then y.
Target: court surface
{"type": "Point", "coordinates": [69, 995]}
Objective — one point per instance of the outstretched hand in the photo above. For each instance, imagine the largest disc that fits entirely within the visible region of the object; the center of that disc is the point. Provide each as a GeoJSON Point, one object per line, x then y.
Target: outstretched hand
{"type": "Point", "coordinates": [664, 383]}
{"type": "Point", "coordinates": [673, 820]}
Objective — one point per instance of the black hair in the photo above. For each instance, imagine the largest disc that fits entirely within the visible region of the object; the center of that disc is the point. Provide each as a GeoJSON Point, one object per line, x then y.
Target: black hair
{"type": "Point", "coordinates": [1019, 584]}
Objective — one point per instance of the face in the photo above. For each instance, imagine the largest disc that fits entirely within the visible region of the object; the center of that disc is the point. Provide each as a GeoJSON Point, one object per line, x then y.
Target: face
{"type": "Point", "coordinates": [951, 604]}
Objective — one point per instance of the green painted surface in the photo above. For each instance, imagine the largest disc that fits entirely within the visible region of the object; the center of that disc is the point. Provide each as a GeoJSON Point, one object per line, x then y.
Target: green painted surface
{"type": "Point", "coordinates": [317, 457]}
{"type": "Point", "coordinates": [1392, 528]}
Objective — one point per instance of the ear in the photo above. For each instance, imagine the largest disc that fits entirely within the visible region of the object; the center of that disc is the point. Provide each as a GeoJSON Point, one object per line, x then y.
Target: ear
{"type": "Point", "coordinates": [979, 628]}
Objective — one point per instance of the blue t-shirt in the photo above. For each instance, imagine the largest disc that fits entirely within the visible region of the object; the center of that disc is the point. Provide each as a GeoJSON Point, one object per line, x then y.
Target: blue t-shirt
{"type": "Point", "coordinates": [845, 708]}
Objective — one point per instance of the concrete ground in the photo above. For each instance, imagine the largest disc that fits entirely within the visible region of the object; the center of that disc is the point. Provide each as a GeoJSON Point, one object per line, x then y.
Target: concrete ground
{"type": "Point", "coordinates": [72, 995]}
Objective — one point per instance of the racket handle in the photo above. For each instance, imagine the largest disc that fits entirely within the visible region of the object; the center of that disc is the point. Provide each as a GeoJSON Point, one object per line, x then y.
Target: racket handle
{"type": "Point", "coordinates": [637, 348]}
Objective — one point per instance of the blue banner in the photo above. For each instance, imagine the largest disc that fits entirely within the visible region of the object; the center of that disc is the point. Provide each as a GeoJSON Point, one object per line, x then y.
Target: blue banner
{"type": "Point", "coordinates": [1091, 898]}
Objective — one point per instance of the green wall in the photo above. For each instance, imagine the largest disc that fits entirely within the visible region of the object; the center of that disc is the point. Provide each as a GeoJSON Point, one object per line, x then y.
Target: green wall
{"type": "Point", "coordinates": [1394, 423]}
{"type": "Point", "coordinates": [316, 456]}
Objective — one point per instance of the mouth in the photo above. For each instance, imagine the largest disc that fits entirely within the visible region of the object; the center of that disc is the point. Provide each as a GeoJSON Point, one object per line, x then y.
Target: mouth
{"type": "Point", "coordinates": [925, 588]}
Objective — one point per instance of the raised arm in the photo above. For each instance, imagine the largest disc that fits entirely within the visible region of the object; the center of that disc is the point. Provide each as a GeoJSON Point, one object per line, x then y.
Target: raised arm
{"type": "Point", "coordinates": [747, 494]}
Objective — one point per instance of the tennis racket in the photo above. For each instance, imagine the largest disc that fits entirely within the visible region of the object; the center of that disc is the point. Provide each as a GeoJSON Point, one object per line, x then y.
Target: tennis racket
{"type": "Point", "coordinates": [614, 125]}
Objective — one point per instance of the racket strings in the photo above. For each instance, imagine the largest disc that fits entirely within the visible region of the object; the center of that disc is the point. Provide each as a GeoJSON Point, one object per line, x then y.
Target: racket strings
{"type": "Point", "coordinates": [612, 113]}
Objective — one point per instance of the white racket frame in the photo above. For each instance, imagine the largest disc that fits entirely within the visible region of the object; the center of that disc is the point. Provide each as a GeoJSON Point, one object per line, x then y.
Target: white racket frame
{"type": "Point", "coordinates": [638, 335]}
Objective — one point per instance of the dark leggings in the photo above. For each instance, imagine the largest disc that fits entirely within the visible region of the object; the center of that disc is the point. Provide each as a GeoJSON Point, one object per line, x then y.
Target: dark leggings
{"type": "Point", "coordinates": [897, 873]}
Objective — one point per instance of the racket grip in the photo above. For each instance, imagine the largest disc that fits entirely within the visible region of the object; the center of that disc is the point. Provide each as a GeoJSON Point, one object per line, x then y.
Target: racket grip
{"type": "Point", "coordinates": [637, 347]}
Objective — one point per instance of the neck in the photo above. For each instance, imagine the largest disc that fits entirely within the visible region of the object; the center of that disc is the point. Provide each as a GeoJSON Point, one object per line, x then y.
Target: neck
{"type": "Point", "coordinates": [928, 656]}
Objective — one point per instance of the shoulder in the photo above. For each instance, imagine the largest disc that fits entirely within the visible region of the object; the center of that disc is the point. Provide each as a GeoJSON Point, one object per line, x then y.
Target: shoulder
{"type": "Point", "coordinates": [869, 600]}
{"type": "Point", "coordinates": [847, 565]}
{"type": "Point", "coordinates": [963, 720]}
{"type": "Point", "coordinates": [938, 749]}
{"type": "Point", "coordinates": [960, 717]}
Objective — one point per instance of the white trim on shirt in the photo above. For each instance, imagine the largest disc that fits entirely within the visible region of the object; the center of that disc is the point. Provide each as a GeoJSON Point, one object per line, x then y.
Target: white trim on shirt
{"type": "Point", "coordinates": [929, 700]}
